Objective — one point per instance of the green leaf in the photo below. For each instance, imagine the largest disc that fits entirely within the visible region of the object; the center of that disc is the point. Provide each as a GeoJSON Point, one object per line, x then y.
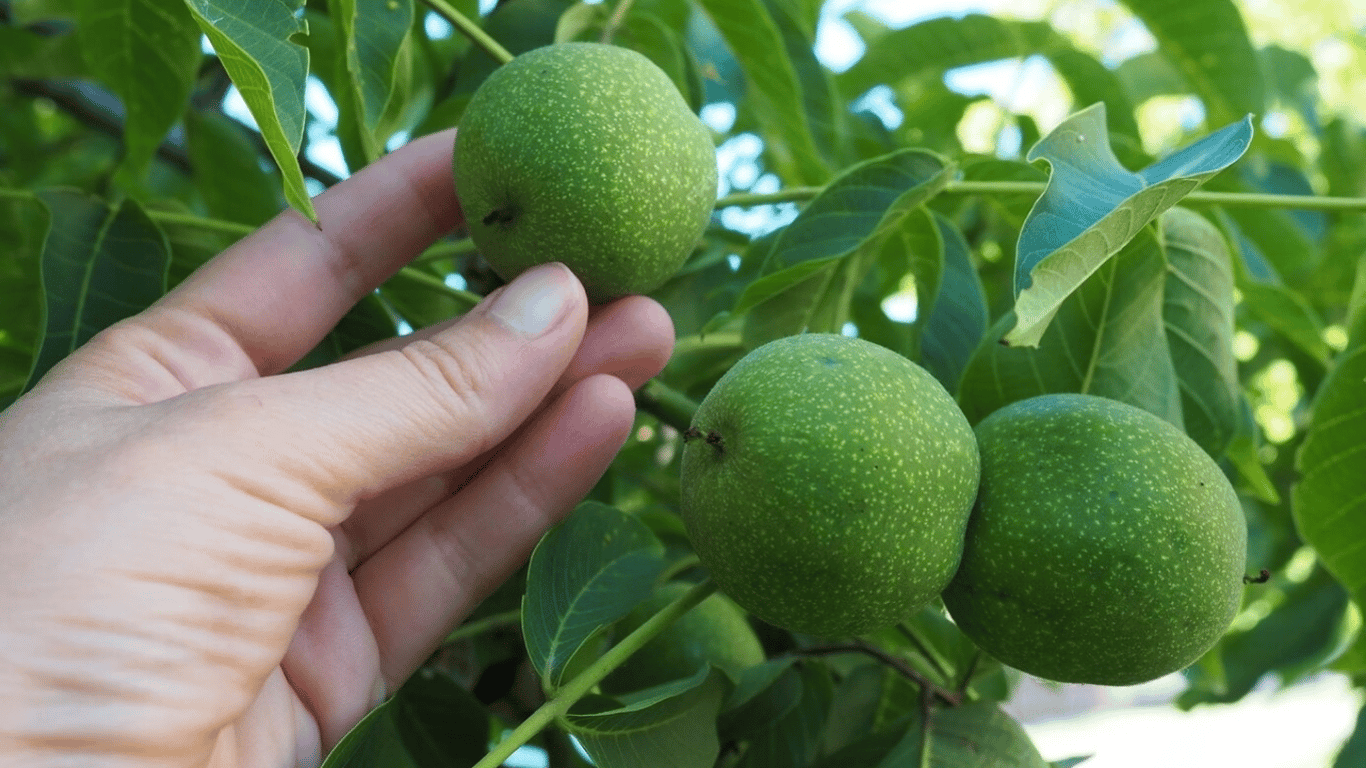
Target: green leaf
{"type": "Point", "coordinates": [24, 225]}
{"type": "Point", "coordinates": [957, 317]}
{"type": "Point", "coordinates": [1198, 311]}
{"type": "Point", "coordinates": [1330, 497]}
{"type": "Point", "coordinates": [227, 170]}
{"type": "Point", "coordinates": [1092, 206]}
{"type": "Point", "coordinates": [1107, 339]}
{"type": "Point", "coordinates": [146, 51]}
{"type": "Point", "coordinates": [825, 109]}
{"type": "Point", "coordinates": [1148, 75]}
{"type": "Point", "coordinates": [430, 721]}
{"type": "Point", "coordinates": [783, 722]}
{"type": "Point", "coordinates": [587, 572]}
{"type": "Point", "coordinates": [1301, 632]}
{"type": "Point", "coordinates": [99, 267]}
{"type": "Point", "coordinates": [1242, 452]}
{"type": "Point", "coordinates": [773, 88]}
{"type": "Point", "coordinates": [254, 42]}
{"type": "Point", "coordinates": [975, 735]}
{"type": "Point", "coordinates": [1207, 41]}
{"type": "Point", "coordinates": [1289, 314]}
{"type": "Point", "coordinates": [25, 53]}
{"type": "Point", "coordinates": [674, 727]}
{"type": "Point", "coordinates": [936, 45]}
{"type": "Point", "coordinates": [372, 34]}
{"type": "Point", "coordinates": [864, 203]}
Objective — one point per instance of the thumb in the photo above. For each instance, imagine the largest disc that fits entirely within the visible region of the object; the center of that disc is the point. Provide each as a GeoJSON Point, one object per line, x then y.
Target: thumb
{"type": "Point", "coordinates": [355, 428]}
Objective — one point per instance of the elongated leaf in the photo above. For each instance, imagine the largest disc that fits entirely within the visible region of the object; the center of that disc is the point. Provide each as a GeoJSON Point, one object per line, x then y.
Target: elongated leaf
{"type": "Point", "coordinates": [674, 728]}
{"type": "Point", "coordinates": [773, 87]}
{"type": "Point", "coordinates": [146, 51]}
{"type": "Point", "coordinates": [227, 170]}
{"type": "Point", "coordinates": [825, 109]}
{"type": "Point", "coordinates": [1108, 339]}
{"type": "Point", "coordinates": [1197, 308]}
{"type": "Point", "coordinates": [958, 316]}
{"type": "Point", "coordinates": [1092, 206]}
{"type": "Point", "coordinates": [586, 573]}
{"type": "Point", "coordinates": [254, 41]}
{"type": "Point", "coordinates": [99, 267]}
{"type": "Point", "coordinates": [1207, 41]}
{"type": "Point", "coordinates": [1330, 497]}
{"type": "Point", "coordinates": [372, 33]}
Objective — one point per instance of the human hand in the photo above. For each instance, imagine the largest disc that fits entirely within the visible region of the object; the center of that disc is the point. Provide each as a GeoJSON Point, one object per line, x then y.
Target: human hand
{"type": "Point", "coordinates": [208, 561]}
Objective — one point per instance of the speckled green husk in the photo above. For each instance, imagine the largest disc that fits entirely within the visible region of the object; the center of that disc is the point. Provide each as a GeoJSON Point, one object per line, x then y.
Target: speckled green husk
{"type": "Point", "coordinates": [830, 486]}
{"type": "Point", "coordinates": [715, 632]}
{"type": "Point", "coordinates": [1105, 547]}
{"type": "Point", "coordinates": [586, 154]}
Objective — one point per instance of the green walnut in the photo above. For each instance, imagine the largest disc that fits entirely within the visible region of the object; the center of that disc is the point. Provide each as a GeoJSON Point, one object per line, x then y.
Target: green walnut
{"type": "Point", "coordinates": [827, 483]}
{"type": "Point", "coordinates": [1105, 547]}
{"type": "Point", "coordinates": [714, 632]}
{"type": "Point", "coordinates": [585, 154]}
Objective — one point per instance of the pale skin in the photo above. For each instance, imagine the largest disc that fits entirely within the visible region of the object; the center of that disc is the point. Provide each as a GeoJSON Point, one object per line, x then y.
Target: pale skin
{"type": "Point", "coordinates": [207, 561]}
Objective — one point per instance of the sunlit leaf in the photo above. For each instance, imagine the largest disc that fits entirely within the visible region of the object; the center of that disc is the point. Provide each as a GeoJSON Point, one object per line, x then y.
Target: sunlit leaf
{"type": "Point", "coordinates": [1092, 206]}
{"type": "Point", "coordinates": [1108, 339]}
{"type": "Point", "coordinates": [254, 40]}
{"type": "Point", "coordinates": [586, 573]}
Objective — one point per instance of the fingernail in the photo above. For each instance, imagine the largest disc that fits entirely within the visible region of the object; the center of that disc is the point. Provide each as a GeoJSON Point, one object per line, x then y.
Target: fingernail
{"type": "Point", "coordinates": [535, 300]}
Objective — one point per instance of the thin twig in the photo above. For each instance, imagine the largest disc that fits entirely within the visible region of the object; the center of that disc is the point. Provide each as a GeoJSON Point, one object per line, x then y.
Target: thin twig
{"type": "Point", "coordinates": [899, 665]}
{"type": "Point", "coordinates": [471, 30]}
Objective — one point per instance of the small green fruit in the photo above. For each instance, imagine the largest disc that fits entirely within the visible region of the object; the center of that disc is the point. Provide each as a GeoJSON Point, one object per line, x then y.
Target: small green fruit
{"type": "Point", "coordinates": [586, 154]}
{"type": "Point", "coordinates": [827, 483]}
{"type": "Point", "coordinates": [1105, 547]}
{"type": "Point", "coordinates": [715, 632]}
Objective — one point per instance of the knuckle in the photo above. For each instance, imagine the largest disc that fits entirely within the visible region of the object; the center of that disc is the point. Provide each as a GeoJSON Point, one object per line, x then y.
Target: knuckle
{"type": "Point", "coordinates": [457, 382]}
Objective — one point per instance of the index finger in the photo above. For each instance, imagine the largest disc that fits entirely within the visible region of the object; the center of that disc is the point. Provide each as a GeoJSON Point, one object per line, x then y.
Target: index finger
{"type": "Point", "coordinates": [278, 291]}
